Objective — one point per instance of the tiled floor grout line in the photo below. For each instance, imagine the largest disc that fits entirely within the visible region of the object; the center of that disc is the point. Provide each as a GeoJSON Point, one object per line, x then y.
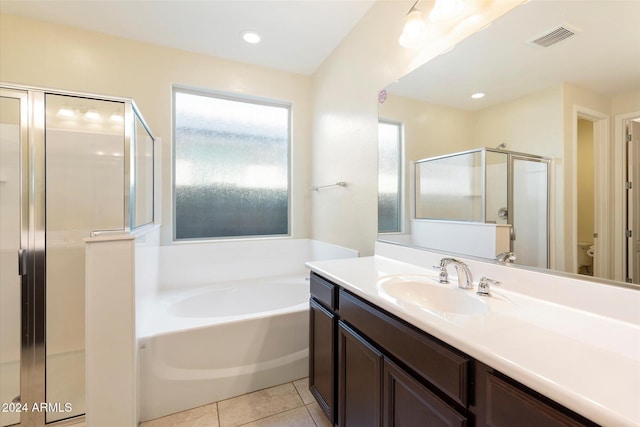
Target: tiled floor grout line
{"type": "Point", "coordinates": [311, 415]}
{"type": "Point", "coordinates": [306, 405]}
{"type": "Point", "coordinates": [278, 413]}
{"type": "Point", "coordinates": [302, 405]}
{"type": "Point", "coordinates": [286, 414]}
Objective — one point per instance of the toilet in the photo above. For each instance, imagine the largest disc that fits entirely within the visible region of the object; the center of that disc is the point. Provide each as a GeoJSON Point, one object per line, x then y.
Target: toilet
{"type": "Point", "coordinates": [585, 258]}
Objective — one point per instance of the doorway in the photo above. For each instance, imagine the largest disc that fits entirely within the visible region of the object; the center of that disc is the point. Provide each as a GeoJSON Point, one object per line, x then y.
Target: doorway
{"type": "Point", "coordinates": [591, 180]}
{"type": "Point", "coordinates": [586, 197]}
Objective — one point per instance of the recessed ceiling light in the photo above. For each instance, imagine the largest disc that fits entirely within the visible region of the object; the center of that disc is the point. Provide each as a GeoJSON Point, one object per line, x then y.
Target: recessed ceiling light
{"type": "Point", "coordinates": [477, 95]}
{"type": "Point", "coordinates": [251, 37]}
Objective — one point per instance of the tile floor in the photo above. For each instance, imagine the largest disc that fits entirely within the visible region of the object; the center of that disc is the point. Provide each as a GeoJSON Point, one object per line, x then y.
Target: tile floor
{"type": "Point", "coordinates": [286, 405]}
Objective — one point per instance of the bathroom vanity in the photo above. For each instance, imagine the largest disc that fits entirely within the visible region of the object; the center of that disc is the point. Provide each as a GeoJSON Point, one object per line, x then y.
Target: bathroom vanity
{"type": "Point", "coordinates": [382, 353]}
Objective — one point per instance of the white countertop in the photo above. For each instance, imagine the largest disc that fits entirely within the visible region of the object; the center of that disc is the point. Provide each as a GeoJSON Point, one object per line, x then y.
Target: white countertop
{"type": "Point", "coordinates": [588, 362]}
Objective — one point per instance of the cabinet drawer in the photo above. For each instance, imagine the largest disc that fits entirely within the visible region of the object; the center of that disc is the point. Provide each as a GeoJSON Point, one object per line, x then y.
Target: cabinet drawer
{"type": "Point", "coordinates": [323, 291]}
{"type": "Point", "coordinates": [443, 367]}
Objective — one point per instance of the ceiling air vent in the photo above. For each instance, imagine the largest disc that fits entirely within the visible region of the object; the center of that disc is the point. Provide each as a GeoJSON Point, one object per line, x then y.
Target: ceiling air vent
{"type": "Point", "coordinates": [554, 35]}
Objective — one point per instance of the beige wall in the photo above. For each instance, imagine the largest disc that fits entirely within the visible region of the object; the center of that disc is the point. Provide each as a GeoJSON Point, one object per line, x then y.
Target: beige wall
{"type": "Point", "coordinates": [625, 103]}
{"type": "Point", "coordinates": [532, 124]}
{"type": "Point", "coordinates": [339, 99]}
{"type": "Point", "coordinates": [41, 54]}
{"type": "Point", "coordinates": [429, 130]}
{"type": "Point", "coordinates": [345, 116]}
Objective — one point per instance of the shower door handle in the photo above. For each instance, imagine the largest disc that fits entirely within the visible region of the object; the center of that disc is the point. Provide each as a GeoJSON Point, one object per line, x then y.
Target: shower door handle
{"type": "Point", "coordinates": [22, 262]}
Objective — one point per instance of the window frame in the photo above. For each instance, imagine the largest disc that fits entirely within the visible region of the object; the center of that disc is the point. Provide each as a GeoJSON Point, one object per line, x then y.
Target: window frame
{"type": "Point", "coordinates": [236, 97]}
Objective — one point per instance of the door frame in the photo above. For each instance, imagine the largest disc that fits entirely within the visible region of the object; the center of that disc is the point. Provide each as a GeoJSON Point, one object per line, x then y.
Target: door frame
{"type": "Point", "coordinates": [602, 196]}
{"type": "Point", "coordinates": [620, 200]}
{"type": "Point", "coordinates": [26, 364]}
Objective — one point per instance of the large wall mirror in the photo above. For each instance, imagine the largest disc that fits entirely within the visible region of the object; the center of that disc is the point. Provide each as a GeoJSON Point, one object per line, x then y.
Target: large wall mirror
{"type": "Point", "coordinates": [561, 80]}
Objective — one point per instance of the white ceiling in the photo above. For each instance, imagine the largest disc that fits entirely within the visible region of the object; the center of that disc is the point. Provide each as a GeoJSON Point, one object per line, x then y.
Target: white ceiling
{"type": "Point", "coordinates": [297, 34]}
{"type": "Point", "coordinates": [603, 57]}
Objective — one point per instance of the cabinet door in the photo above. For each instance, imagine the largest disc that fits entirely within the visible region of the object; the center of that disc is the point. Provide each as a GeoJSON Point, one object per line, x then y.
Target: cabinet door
{"type": "Point", "coordinates": [407, 403]}
{"type": "Point", "coordinates": [322, 335]}
{"type": "Point", "coordinates": [439, 364]}
{"type": "Point", "coordinates": [360, 380]}
{"type": "Point", "coordinates": [509, 406]}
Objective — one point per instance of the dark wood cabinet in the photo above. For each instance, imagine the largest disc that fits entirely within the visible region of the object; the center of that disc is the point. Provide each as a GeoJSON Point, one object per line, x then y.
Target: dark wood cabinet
{"type": "Point", "coordinates": [322, 329]}
{"type": "Point", "coordinates": [440, 364]}
{"type": "Point", "coordinates": [509, 403]}
{"type": "Point", "coordinates": [408, 403]}
{"type": "Point", "coordinates": [359, 380]}
{"type": "Point", "coordinates": [369, 368]}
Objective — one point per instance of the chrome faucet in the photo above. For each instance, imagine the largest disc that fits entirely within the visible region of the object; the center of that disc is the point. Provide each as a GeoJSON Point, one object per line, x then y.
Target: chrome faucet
{"type": "Point", "coordinates": [484, 286]}
{"type": "Point", "coordinates": [506, 257]}
{"type": "Point", "coordinates": [465, 279]}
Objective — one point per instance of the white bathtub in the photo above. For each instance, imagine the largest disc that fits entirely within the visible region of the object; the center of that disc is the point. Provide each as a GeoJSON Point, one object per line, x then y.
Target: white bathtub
{"type": "Point", "coordinates": [240, 299]}
{"type": "Point", "coordinates": [210, 339]}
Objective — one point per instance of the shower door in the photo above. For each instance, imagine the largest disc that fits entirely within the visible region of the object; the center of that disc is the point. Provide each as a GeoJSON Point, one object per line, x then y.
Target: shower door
{"type": "Point", "coordinates": [84, 192]}
{"type": "Point", "coordinates": [13, 243]}
{"type": "Point", "coordinates": [529, 210]}
{"type": "Point", "coordinates": [63, 175]}
{"type": "Point", "coordinates": [71, 166]}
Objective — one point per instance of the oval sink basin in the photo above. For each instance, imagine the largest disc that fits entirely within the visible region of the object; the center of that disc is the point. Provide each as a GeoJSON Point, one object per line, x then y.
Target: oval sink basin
{"type": "Point", "coordinates": [430, 295]}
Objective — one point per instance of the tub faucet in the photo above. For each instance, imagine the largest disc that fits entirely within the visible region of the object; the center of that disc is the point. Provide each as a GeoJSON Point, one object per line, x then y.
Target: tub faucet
{"type": "Point", "coordinates": [465, 279]}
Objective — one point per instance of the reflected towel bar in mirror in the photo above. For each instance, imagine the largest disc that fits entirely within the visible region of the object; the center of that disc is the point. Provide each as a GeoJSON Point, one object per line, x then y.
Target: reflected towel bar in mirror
{"type": "Point", "coordinates": [337, 184]}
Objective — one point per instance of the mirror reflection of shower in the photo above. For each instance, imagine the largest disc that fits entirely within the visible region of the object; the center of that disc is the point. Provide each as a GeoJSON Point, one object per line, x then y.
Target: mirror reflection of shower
{"type": "Point", "coordinates": [488, 186]}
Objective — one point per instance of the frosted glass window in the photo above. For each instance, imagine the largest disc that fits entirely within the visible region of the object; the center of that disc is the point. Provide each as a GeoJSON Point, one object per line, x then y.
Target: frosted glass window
{"type": "Point", "coordinates": [231, 168]}
{"type": "Point", "coordinates": [389, 173]}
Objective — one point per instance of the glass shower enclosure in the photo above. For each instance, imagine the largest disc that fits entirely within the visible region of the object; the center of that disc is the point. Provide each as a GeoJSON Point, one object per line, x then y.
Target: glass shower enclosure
{"type": "Point", "coordinates": [73, 166]}
{"type": "Point", "coordinates": [490, 186]}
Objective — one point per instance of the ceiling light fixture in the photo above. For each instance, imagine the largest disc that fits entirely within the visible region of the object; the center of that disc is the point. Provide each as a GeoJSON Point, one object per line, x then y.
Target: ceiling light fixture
{"type": "Point", "coordinates": [445, 11]}
{"type": "Point", "coordinates": [414, 32]}
{"type": "Point", "coordinates": [92, 115]}
{"type": "Point", "coordinates": [66, 113]}
{"type": "Point", "coordinates": [116, 118]}
{"type": "Point", "coordinates": [251, 37]}
{"type": "Point", "coordinates": [477, 95]}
